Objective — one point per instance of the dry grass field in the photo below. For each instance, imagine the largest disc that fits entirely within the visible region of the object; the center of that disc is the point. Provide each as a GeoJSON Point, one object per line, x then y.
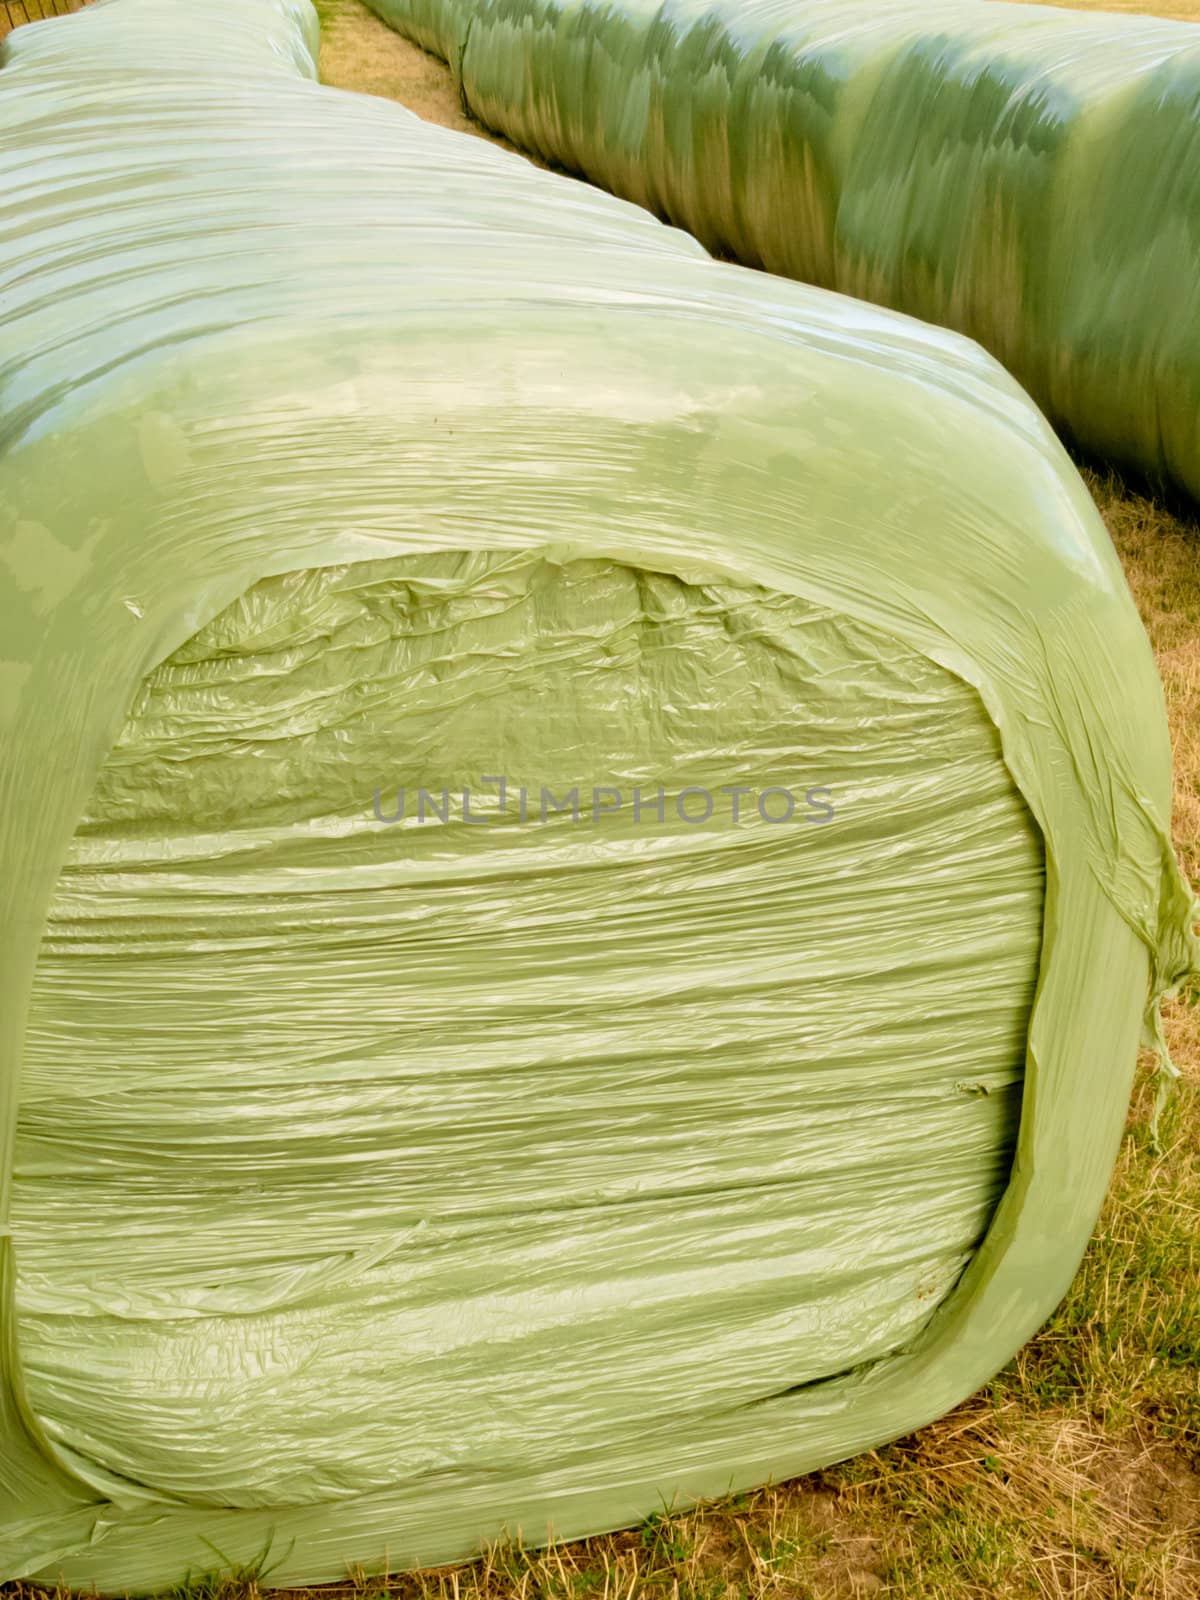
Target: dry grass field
{"type": "Point", "coordinates": [1077, 1472]}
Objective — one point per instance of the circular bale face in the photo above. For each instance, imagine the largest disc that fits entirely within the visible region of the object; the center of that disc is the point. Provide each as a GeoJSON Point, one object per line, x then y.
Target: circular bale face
{"type": "Point", "coordinates": [380, 1119]}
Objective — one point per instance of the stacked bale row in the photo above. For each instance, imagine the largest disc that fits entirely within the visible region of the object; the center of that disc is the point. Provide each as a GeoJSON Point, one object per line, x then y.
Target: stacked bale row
{"type": "Point", "coordinates": [1028, 176]}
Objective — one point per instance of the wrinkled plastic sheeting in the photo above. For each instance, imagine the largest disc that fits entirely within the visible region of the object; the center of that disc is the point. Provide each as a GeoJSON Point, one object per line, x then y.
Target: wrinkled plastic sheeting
{"type": "Point", "coordinates": [376, 1182]}
{"type": "Point", "coordinates": [1026, 175]}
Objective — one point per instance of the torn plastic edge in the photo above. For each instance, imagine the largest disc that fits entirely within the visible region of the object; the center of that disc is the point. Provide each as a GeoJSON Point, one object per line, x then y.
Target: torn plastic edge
{"type": "Point", "coordinates": [1167, 986]}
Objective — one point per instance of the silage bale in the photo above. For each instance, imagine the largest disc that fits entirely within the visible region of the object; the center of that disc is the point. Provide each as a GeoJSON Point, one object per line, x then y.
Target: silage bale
{"type": "Point", "coordinates": [376, 1178]}
{"type": "Point", "coordinates": [1025, 175]}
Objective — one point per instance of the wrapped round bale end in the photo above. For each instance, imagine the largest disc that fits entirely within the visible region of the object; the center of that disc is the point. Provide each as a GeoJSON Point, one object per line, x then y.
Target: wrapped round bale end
{"type": "Point", "coordinates": [509, 1138]}
{"type": "Point", "coordinates": [586, 834]}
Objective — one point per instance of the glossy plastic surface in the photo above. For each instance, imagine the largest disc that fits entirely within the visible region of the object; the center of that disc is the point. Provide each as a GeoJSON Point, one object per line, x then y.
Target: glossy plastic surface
{"type": "Point", "coordinates": [371, 1187]}
{"type": "Point", "coordinates": [1026, 175]}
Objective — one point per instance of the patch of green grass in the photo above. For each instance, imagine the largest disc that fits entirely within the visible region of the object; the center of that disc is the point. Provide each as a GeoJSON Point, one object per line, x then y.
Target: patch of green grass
{"type": "Point", "coordinates": [229, 1580]}
{"type": "Point", "coordinates": [1124, 1346]}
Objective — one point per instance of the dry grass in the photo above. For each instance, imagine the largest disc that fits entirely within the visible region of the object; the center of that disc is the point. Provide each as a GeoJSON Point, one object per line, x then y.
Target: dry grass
{"type": "Point", "coordinates": [1161, 554]}
{"type": "Point", "coordinates": [361, 53]}
{"type": "Point", "coordinates": [1077, 1473]}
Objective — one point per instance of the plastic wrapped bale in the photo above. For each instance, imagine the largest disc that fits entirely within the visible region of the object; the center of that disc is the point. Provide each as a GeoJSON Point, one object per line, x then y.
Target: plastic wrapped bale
{"type": "Point", "coordinates": [392, 1160]}
{"type": "Point", "coordinates": [1023, 174]}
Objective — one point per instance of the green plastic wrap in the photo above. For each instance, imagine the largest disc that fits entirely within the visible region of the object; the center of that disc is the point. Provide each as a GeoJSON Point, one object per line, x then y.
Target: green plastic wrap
{"type": "Point", "coordinates": [392, 1160]}
{"type": "Point", "coordinates": [1028, 176]}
